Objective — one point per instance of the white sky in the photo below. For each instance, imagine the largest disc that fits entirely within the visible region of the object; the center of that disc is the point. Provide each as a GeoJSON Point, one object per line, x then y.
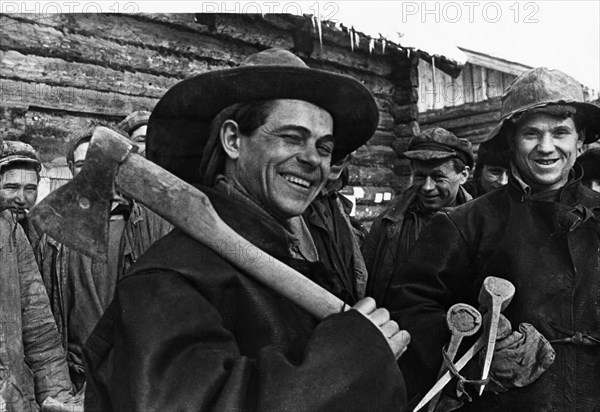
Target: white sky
{"type": "Point", "coordinates": [558, 34]}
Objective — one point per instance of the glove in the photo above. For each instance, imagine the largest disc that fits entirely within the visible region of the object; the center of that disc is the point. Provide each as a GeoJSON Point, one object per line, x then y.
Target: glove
{"type": "Point", "coordinates": [520, 359]}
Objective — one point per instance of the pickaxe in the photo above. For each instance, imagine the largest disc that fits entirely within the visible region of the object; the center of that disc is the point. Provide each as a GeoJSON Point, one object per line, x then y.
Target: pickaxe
{"type": "Point", "coordinates": [76, 214]}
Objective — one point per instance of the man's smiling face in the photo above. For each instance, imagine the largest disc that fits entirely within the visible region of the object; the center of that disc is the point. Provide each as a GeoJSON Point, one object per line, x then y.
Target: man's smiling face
{"type": "Point", "coordinates": [286, 161]}
{"type": "Point", "coordinates": [544, 150]}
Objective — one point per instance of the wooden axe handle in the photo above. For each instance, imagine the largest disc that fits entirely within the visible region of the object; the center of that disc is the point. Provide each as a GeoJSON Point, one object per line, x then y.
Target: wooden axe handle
{"type": "Point", "coordinates": [190, 210]}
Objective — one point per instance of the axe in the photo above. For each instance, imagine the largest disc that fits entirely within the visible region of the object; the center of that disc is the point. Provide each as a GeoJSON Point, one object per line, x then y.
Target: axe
{"type": "Point", "coordinates": [77, 213]}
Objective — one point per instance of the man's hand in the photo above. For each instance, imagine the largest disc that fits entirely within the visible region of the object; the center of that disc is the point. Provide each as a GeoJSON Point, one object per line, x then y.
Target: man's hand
{"type": "Point", "coordinates": [396, 338]}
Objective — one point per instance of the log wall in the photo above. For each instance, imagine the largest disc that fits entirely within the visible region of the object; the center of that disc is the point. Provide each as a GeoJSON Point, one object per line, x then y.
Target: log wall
{"type": "Point", "coordinates": [60, 73]}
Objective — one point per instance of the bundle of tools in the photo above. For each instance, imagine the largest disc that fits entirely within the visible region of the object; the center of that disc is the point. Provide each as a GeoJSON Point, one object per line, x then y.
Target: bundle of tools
{"type": "Point", "coordinates": [533, 351]}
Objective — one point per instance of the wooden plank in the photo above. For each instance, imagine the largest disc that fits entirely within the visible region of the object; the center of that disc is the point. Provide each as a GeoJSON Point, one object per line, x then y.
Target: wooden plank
{"type": "Point", "coordinates": [507, 80]}
{"type": "Point", "coordinates": [495, 63]}
{"type": "Point", "coordinates": [426, 88]}
{"type": "Point", "coordinates": [34, 39]}
{"type": "Point", "coordinates": [59, 72]}
{"type": "Point", "coordinates": [465, 110]}
{"type": "Point", "coordinates": [444, 90]}
{"type": "Point", "coordinates": [494, 83]}
{"type": "Point", "coordinates": [479, 84]}
{"type": "Point", "coordinates": [468, 88]}
{"type": "Point", "coordinates": [458, 91]}
{"type": "Point", "coordinates": [464, 121]}
{"type": "Point", "coordinates": [15, 93]}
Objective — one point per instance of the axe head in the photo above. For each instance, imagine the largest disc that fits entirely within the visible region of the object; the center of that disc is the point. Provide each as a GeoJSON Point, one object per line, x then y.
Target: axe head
{"type": "Point", "coordinates": [77, 213]}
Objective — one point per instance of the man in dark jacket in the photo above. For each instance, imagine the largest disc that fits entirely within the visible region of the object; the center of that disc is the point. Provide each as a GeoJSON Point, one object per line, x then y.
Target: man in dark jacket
{"type": "Point", "coordinates": [189, 331]}
{"type": "Point", "coordinates": [541, 232]}
{"type": "Point", "coordinates": [440, 164]}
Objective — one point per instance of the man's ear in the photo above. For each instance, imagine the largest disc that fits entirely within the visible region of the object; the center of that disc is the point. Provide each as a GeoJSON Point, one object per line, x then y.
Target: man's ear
{"type": "Point", "coordinates": [230, 138]}
{"type": "Point", "coordinates": [464, 175]}
{"type": "Point", "coordinates": [581, 139]}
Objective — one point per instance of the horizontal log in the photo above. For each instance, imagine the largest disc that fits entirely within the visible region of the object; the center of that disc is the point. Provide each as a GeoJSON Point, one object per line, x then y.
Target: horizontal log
{"type": "Point", "coordinates": [478, 119]}
{"type": "Point", "coordinates": [381, 138]}
{"type": "Point", "coordinates": [58, 72]}
{"type": "Point", "coordinates": [18, 93]}
{"type": "Point", "coordinates": [373, 176]}
{"type": "Point", "coordinates": [277, 31]}
{"type": "Point", "coordinates": [47, 131]}
{"type": "Point", "coordinates": [386, 122]}
{"type": "Point", "coordinates": [136, 31]}
{"type": "Point", "coordinates": [404, 114]}
{"type": "Point", "coordinates": [405, 94]}
{"type": "Point", "coordinates": [379, 86]}
{"type": "Point", "coordinates": [28, 38]}
{"type": "Point", "coordinates": [457, 112]}
{"type": "Point", "coordinates": [408, 129]}
{"type": "Point", "coordinates": [400, 145]}
{"type": "Point", "coordinates": [374, 155]}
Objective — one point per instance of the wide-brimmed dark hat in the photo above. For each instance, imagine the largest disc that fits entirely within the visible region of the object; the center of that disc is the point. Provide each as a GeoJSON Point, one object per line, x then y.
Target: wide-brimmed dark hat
{"type": "Point", "coordinates": [439, 144]}
{"type": "Point", "coordinates": [541, 87]}
{"type": "Point", "coordinates": [178, 129]}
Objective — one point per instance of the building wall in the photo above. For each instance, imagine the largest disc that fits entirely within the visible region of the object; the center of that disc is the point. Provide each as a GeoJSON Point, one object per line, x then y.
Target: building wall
{"type": "Point", "coordinates": [60, 72]}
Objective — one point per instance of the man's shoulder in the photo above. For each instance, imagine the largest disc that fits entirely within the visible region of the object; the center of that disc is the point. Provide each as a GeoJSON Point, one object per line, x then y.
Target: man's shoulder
{"type": "Point", "coordinates": [399, 205]}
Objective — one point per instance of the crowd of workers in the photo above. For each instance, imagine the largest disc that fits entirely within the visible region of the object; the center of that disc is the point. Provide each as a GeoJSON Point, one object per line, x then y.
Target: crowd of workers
{"type": "Point", "coordinates": [167, 323]}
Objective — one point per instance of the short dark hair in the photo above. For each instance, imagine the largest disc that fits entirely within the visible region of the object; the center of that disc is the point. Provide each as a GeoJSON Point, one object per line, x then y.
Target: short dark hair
{"type": "Point", "coordinates": [20, 165]}
{"type": "Point", "coordinates": [251, 115]}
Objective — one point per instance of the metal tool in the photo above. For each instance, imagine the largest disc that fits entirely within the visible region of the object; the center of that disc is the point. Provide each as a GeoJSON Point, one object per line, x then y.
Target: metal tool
{"type": "Point", "coordinates": [495, 295]}
{"type": "Point", "coordinates": [462, 320]}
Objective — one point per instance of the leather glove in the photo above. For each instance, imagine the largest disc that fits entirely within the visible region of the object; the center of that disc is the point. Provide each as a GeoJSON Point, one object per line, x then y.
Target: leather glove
{"type": "Point", "coordinates": [519, 359]}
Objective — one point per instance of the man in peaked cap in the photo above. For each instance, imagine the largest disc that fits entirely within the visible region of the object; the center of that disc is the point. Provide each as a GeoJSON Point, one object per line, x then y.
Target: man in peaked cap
{"type": "Point", "coordinates": [33, 367]}
{"type": "Point", "coordinates": [542, 233]}
{"type": "Point", "coordinates": [19, 177]}
{"type": "Point", "coordinates": [188, 331]}
{"type": "Point", "coordinates": [136, 126]}
{"type": "Point", "coordinates": [440, 164]}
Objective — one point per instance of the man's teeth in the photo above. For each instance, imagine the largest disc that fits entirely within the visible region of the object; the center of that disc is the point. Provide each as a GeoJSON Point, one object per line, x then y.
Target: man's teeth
{"type": "Point", "coordinates": [546, 162]}
{"type": "Point", "coordinates": [297, 181]}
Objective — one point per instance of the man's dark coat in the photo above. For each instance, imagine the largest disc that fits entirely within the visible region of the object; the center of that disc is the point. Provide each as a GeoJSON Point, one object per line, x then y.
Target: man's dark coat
{"type": "Point", "coordinates": [188, 331]}
{"type": "Point", "coordinates": [550, 251]}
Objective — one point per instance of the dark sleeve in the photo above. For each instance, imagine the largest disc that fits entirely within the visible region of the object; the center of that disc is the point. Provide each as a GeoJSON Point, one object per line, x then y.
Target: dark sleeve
{"type": "Point", "coordinates": [437, 275]}
{"type": "Point", "coordinates": [172, 352]}
{"type": "Point", "coordinates": [44, 352]}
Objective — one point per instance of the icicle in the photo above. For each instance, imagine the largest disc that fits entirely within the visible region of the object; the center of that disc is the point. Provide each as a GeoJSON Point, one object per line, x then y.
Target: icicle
{"type": "Point", "coordinates": [408, 53]}
{"type": "Point", "coordinates": [320, 30]}
{"type": "Point", "coordinates": [371, 45]}
{"type": "Point", "coordinates": [357, 39]}
{"type": "Point", "coordinates": [351, 32]}
{"type": "Point", "coordinates": [383, 44]}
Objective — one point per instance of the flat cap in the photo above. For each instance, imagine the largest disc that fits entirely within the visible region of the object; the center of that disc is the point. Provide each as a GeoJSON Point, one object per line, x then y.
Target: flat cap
{"type": "Point", "coordinates": [439, 144]}
{"type": "Point", "coordinates": [18, 152]}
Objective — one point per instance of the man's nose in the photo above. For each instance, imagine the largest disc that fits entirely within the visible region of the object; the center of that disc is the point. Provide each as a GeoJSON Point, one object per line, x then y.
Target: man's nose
{"type": "Point", "coordinates": [20, 197]}
{"type": "Point", "coordinates": [546, 143]}
{"type": "Point", "coordinates": [310, 155]}
{"type": "Point", "coordinates": [503, 179]}
{"type": "Point", "coordinates": [429, 184]}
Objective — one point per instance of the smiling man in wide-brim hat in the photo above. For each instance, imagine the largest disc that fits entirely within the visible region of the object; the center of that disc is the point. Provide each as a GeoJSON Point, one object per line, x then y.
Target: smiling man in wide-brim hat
{"type": "Point", "coordinates": [189, 331]}
{"type": "Point", "coordinates": [541, 231]}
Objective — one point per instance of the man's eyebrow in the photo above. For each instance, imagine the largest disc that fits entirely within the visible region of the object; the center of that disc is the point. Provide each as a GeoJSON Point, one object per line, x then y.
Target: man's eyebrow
{"type": "Point", "coordinates": [297, 128]}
